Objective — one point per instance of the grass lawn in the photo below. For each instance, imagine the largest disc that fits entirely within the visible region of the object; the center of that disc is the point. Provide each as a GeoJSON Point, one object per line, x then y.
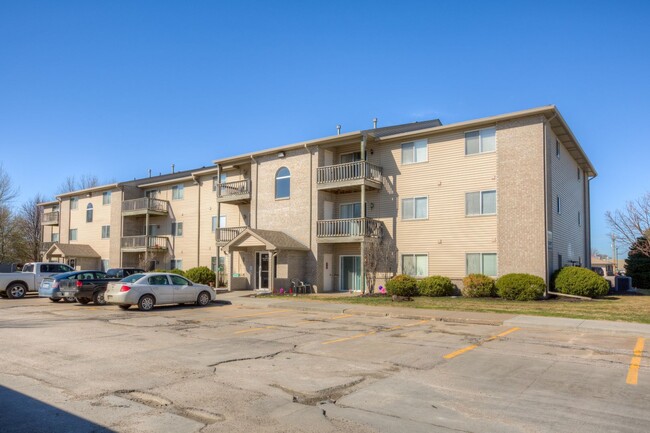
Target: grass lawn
{"type": "Point", "coordinates": [626, 308]}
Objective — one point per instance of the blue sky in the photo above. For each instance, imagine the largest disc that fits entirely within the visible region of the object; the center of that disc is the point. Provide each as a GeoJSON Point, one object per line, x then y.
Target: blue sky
{"type": "Point", "coordinates": [116, 88]}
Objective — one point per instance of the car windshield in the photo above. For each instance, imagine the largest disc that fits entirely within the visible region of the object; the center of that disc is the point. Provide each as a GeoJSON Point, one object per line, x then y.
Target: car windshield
{"type": "Point", "coordinates": [132, 278]}
{"type": "Point", "coordinates": [66, 275]}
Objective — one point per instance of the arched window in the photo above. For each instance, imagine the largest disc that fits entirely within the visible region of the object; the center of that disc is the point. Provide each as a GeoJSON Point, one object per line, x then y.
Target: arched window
{"type": "Point", "coordinates": [283, 183]}
{"type": "Point", "coordinates": [89, 213]}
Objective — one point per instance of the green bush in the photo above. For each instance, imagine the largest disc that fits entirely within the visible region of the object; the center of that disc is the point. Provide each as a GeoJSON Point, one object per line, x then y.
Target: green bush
{"type": "Point", "coordinates": [402, 285]}
{"type": "Point", "coordinates": [573, 280]}
{"type": "Point", "coordinates": [435, 286]}
{"type": "Point", "coordinates": [201, 275]}
{"type": "Point", "coordinates": [176, 271]}
{"type": "Point", "coordinates": [478, 286]}
{"type": "Point", "coordinates": [520, 287]}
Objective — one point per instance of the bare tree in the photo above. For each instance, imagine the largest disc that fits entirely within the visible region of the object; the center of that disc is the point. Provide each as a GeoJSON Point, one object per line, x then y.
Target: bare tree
{"type": "Point", "coordinates": [71, 184]}
{"type": "Point", "coordinates": [88, 181]}
{"type": "Point", "coordinates": [28, 223]}
{"type": "Point", "coordinates": [379, 258]}
{"type": "Point", "coordinates": [68, 185]}
{"type": "Point", "coordinates": [10, 239]}
{"type": "Point", "coordinates": [632, 223]}
{"type": "Point", "coordinates": [8, 191]}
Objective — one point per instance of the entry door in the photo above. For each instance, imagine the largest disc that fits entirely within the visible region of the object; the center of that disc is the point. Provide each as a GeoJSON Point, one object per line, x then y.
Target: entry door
{"type": "Point", "coordinates": [350, 273]}
{"type": "Point", "coordinates": [327, 272]}
{"type": "Point", "coordinates": [262, 261]}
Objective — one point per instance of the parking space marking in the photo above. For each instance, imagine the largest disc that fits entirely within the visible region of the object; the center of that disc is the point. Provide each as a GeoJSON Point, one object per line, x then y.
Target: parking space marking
{"type": "Point", "coordinates": [474, 346]}
{"type": "Point", "coordinates": [256, 314]}
{"type": "Point", "coordinates": [635, 363]}
{"type": "Point", "coordinates": [244, 331]}
{"type": "Point", "coordinates": [365, 334]}
{"type": "Point", "coordinates": [342, 316]}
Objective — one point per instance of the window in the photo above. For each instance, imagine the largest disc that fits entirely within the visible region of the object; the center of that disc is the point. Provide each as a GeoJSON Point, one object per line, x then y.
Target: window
{"type": "Point", "coordinates": [415, 151]}
{"type": "Point", "coordinates": [153, 230]}
{"type": "Point", "coordinates": [579, 218]}
{"type": "Point", "coordinates": [177, 264]}
{"type": "Point", "coordinates": [415, 208]}
{"type": "Point", "coordinates": [159, 280]}
{"type": "Point", "coordinates": [213, 264]}
{"type": "Point", "coordinates": [283, 183]}
{"type": "Point", "coordinates": [89, 213]}
{"type": "Point", "coordinates": [482, 263]}
{"type": "Point", "coordinates": [415, 265]}
{"type": "Point", "coordinates": [558, 204]}
{"type": "Point", "coordinates": [579, 174]}
{"type": "Point", "coordinates": [480, 141]}
{"type": "Point", "coordinates": [481, 203]}
{"type": "Point", "coordinates": [222, 221]}
{"type": "Point", "coordinates": [178, 192]}
{"type": "Point", "coordinates": [217, 180]}
{"type": "Point", "coordinates": [179, 281]}
{"type": "Point", "coordinates": [74, 203]}
{"type": "Point", "coordinates": [152, 193]}
{"type": "Point", "coordinates": [55, 237]}
{"type": "Point", "coordinates": [177, 229]}
{"type": "Point", "coordinates": [557, 149]}
{"type": "Point", "coordinates": [106, 232]}
{"type": "Point", "coordinates": [106, 198]}
{"type": "Point", "coordinates": [350, 210]}
{"type": "Point", "coordinates": [214, 224]}
{"type": "Point", "coordinates": [73, 234]}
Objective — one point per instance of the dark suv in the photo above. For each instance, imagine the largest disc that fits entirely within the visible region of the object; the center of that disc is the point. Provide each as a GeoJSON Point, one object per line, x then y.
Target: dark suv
{"type": "Point", "coordinates": [123, 272]}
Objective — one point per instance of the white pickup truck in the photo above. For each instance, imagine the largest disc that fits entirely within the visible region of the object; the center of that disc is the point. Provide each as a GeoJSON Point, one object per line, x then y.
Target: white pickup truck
{"type": "Point", "coordinates": [17, 284]}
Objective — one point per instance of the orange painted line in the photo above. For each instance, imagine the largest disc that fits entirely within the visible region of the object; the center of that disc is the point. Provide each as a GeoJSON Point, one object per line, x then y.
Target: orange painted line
{"type": "Point", "coordinates": [256, 314]}
{"type": "Point", "coordinates": [635, 363]}
{"type": "Point", "coordinates": [474, 346]}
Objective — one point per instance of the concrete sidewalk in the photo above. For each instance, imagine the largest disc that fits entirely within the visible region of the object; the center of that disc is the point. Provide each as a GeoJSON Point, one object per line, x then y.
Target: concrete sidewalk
{"type": "Point", "coordinates": [249, 299]}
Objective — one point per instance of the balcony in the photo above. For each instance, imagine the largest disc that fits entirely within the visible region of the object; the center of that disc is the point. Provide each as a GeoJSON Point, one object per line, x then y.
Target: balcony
{"type": "Point", "coordinates": [237, 192]}
{"type": "Point", "coordinates": [226, 234]}
{"type": "Point", "coordinates": [145, 205]}
{"type": "Point", "coordinates": [347, 230]}
{"type": "Point", "coordinates": [144, 243]}
{"type": "Point", "coordinates": [50, 218]}
{"type": "Point", "coordinates": [347, 177]}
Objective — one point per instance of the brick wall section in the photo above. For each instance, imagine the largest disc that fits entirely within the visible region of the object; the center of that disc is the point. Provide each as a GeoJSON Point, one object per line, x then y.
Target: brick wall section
{"type": "Point", "coordinates": [520, 197]}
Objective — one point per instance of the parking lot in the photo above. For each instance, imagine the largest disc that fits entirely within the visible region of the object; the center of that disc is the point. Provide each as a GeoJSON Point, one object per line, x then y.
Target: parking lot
{"type": "Point", "coordinates": [236, 368]}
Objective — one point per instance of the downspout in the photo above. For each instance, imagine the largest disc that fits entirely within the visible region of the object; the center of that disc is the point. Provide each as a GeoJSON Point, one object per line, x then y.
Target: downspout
{"type": "Point", "coordinates": [363, 219]}
{"type": "Point", "coordinates": [311, 194]}
{"type": "Point", "coordinates": [272, 259]}
{"type": "Point", "coordinates": [198, 220]}
{"type": "Point", "coordinates": [216, 283]}
{"type": "Point", "coordinates": [257, 177]}
{"type": "Point", "coordinates": [545, 150]}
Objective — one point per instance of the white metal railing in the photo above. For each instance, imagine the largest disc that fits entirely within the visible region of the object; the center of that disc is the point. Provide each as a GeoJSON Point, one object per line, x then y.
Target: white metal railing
{"type": "Point", "coordinates": [144, 242]}
{"type": "Point", "coordinates": [348, 171]}
{"type": "Point", "coordinates": [366, 227]}
{"type": "Point", "coordinates": [50, 218]}
{"type": "Point", "coordinates": [145, 204]}
{"type": "Point", "coordinates": [234, 189]}
{"type": "Point", "coordinates": [226, 234]}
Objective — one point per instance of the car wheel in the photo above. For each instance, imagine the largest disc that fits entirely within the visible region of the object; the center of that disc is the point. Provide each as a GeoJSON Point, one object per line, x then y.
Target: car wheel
{"type": "Point", "coordinates": [70, 299]}
{"type": "Point", "coordinates": [98, 298]}
{"type": "Point", "coordinates": [146, 303]}
{"type": "Point", "coordinates": [83, 301]}
{"type": "Point", "coordinates": [16, 291]}
{"type": "Point", "coordinates": [203, 299]}
{"type": "Point", "coordinates": [124, 307]}
{"type": "Point", "coordinates": [55, 299]}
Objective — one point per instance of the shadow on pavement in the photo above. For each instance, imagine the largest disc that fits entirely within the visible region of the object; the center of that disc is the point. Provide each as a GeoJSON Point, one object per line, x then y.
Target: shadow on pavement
{"type": "Point", "coordinates": [23, 414]}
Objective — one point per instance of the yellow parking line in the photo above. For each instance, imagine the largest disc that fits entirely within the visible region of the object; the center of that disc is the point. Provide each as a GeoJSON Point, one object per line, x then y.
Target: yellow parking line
{"type": "Point", "coordinates": [635, 363]}
{"type": "Point", "coordinates": [474, 346]}
{"type": "Point", "coordinates": [342, 316]}
{"type": "Point", "coordinates": [257, 314]}
{"type": "Point", "coordinates": [338, 340]}
{"type": "Point", "coordinates": [244, 331]}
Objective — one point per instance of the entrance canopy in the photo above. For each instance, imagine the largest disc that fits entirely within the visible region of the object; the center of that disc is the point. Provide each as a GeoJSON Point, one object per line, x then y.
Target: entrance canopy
{"type": "Point", "coordinates": [76, 255]}
{"type": "Point", "coordinates": [269, 240]}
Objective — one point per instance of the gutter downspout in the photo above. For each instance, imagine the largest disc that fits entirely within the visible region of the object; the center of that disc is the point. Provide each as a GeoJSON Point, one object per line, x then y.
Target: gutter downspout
{"type": "Point", "coordinates": [363, 219]}
{"type": "Point", "coordinates": [257, 177]}
{"type": "Point", "coordinates": [546, 186]}
{"type": "Point", "coordinates": [216, 283]}
{"type": "Point", "coordinates": [311, 194]}
{"type": "Point", "coordinates": [198, 221]}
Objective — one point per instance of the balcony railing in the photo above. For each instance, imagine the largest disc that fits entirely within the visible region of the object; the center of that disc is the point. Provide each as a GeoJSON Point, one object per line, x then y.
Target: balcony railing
{"type": "Point", "coordinates": [348, 227]}
{"type": "Point", "coordinates": [226, 234]}
{"type": "Point", "coordinates": [142, 243]}
{"type": "Point", "coordinates": [50, 218]}
{"type": "Point", "coordinates": [349, 171]}
{"type": "Point", "coordinates": [144, 205]}
{"type": "Point", "coordinates": [239, 189]}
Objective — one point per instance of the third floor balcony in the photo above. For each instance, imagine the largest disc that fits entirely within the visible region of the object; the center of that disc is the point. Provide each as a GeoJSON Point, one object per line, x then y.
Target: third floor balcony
{"type": "Point", "coordinates": [237, 192]}
{"type": "Point", "coordinates": [145, 205]}
{"type": "Point", "coordinates": [349, 176]}
{"type": "Point", "coordinates": [50, 218]}
{"type": "Point", "coordinates": [223, 235]}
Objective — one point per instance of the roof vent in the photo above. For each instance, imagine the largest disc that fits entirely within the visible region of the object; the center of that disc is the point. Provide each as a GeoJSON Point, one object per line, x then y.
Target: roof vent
{"type": "Point", "coordinates": [338, 129]}
{"type": "Point", "coordinates": [374, 123]}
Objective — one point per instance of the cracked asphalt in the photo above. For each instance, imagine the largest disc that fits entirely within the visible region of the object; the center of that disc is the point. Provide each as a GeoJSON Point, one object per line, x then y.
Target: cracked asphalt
{"type": "Point", "coordinates": [235, 368]}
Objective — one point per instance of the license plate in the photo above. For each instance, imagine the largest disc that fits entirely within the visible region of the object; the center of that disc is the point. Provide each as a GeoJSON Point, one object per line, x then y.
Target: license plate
{"type": "Point", "coordinates": [67, 294]}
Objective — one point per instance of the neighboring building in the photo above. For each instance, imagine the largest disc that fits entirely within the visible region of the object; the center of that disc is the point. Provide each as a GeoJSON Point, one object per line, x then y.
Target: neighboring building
{"type": "Point", "coordinates": [507, 193]}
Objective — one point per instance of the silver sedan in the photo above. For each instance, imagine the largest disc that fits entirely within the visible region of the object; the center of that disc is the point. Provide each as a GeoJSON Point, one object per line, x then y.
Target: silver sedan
{"type": "Point", "coordinates": [154, 288]}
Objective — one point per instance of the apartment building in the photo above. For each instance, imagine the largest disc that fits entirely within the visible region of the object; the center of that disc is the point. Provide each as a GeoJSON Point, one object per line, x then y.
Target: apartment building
{"type": "Point", "coordinates": [507, 193]}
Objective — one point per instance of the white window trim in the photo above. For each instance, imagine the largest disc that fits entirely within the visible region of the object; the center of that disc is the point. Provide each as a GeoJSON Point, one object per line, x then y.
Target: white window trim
{"type": "Point", "coordinates": [275, 183]}
{"type": "Point", "coordinates": [480, 203]}
{"type": "Point", "coordinates": [414, 218]}
{"type": "Point", "coordinates": [480, 144]}
{"type": "Point", "coordinates": [104, 195]}
{"type": "Point", "coordinates": [175, 229]}
{"type": "Point", "coordinates": [401, 263]}
{"type": "Point", "coordinates": [481, 262]}
{"type": "Point", "coordinates": [76, 235]}
{"type": "Point", "coordinates": [109, 232]}
{"type": "Point", "coordinates": [426, 147]}
{"type": "Point", "coordinates": [179, 187]}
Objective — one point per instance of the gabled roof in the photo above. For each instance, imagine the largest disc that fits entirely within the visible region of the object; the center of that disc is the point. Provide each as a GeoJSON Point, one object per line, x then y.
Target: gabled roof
{"type": "Point", "coordinates": [270, 239]}
{"type": "Point", "coordinates": [73, 250]}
